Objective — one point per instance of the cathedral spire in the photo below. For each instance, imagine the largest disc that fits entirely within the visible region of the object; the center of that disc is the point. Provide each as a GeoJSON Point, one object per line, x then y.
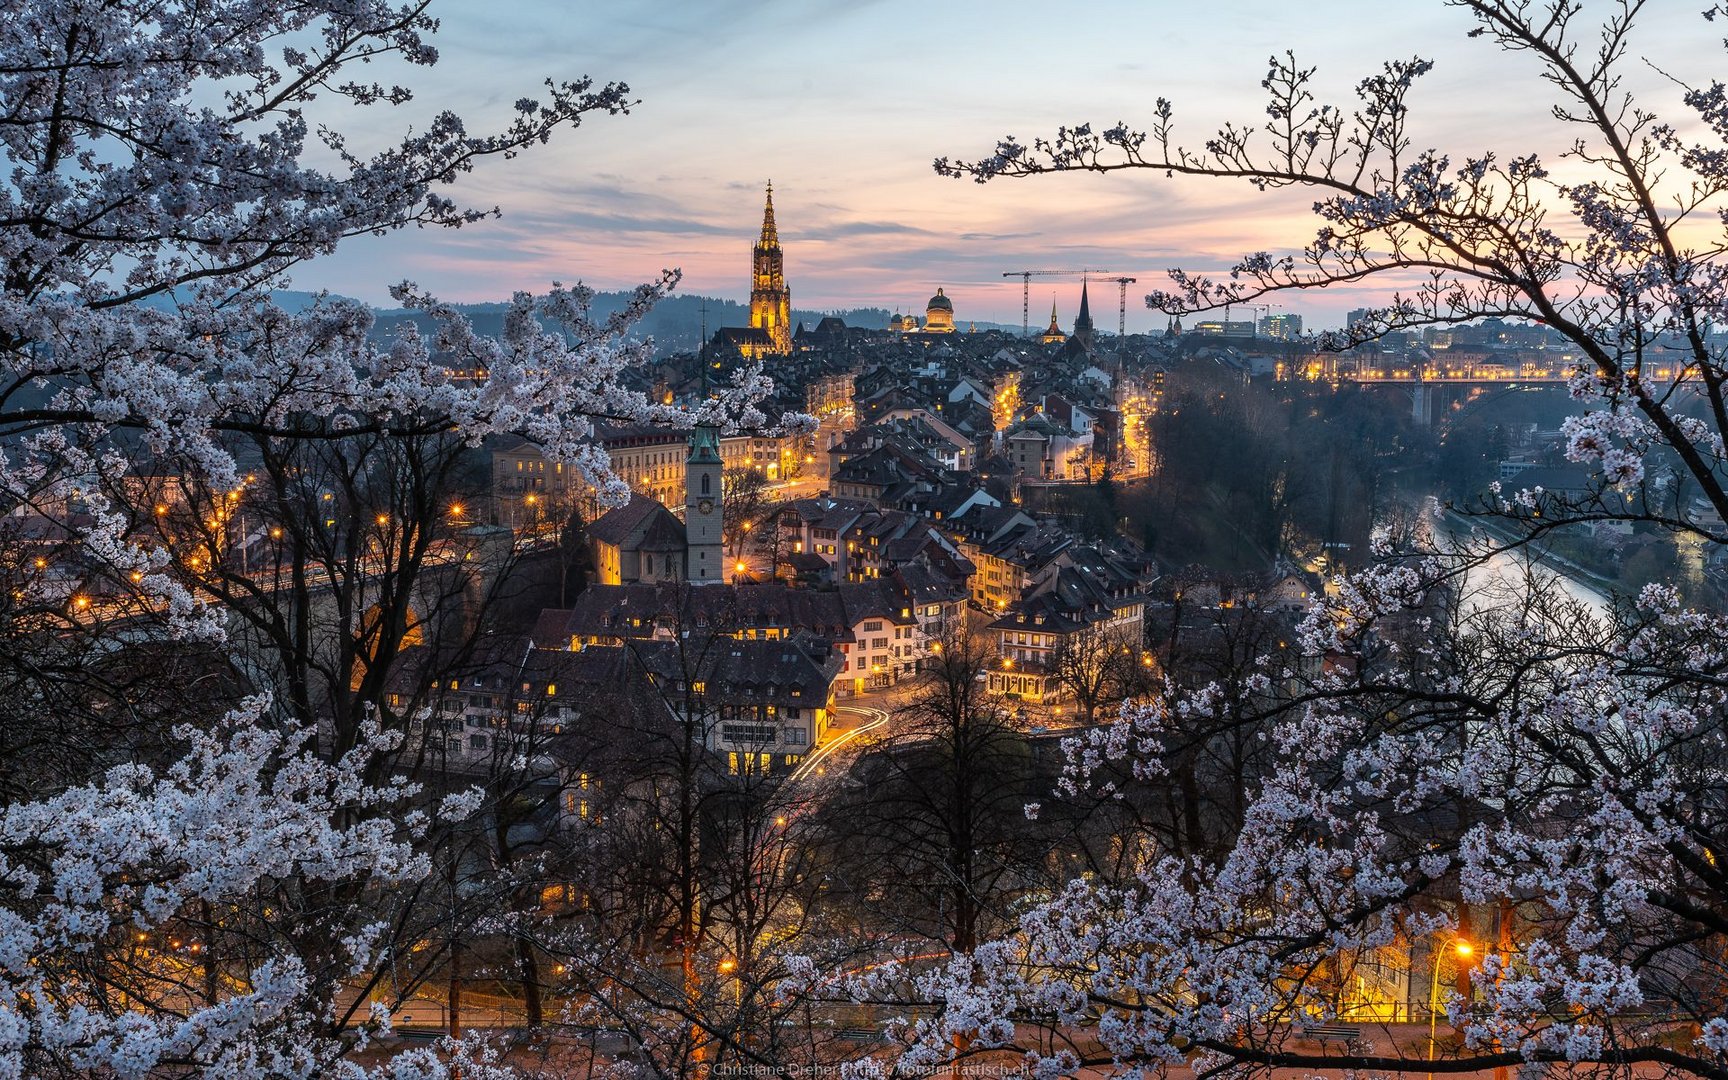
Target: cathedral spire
{"type": "Point", "coordinates": [1083, 321]}
{"type": "Point", "coordinates": [770, 232]}
{"type": "Point", "coordinates": [770, 299]}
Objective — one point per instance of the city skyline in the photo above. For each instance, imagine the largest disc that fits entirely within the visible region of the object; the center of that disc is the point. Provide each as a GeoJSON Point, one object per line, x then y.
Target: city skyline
{"type": "Point", "coordinates": [843, 107]}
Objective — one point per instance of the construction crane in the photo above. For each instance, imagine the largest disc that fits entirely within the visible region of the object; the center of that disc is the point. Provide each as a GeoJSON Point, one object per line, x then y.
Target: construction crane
{"type": "Point", "coordinates": [1122, 283]}
{"type": "Point", "coordinates": [1264, 313]}
{"type": "Point", "coordinates": [1026, 277]}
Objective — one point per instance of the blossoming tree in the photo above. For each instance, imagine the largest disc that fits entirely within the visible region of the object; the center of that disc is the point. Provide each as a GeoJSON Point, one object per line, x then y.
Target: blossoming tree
{"type": "Point", "coordinates": [1523, 796]}
{"type": "Point", "coordinates": [167, 166]}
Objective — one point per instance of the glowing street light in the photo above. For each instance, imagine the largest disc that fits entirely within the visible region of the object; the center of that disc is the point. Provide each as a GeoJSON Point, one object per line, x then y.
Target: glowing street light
{"type": "Point", "coordinates": [1464, 951]}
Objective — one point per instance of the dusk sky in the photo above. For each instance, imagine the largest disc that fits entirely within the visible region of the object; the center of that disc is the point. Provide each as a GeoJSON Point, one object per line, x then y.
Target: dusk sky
{"type": "Point", "coordinates": [844, 105]}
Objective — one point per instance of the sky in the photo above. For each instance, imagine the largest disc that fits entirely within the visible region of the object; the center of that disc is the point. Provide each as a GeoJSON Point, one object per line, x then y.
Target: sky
{"type": "Point", "coordinates": [844, 104]}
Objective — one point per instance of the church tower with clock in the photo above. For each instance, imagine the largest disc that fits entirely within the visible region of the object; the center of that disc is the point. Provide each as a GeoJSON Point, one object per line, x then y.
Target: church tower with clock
{"type": "Point", "coordinates": [703, 514]}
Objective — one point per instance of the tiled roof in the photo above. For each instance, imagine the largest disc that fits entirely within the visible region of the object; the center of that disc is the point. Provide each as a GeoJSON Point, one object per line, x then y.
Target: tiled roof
{"type": "Point", "coordinates": [614, 610]}
{"type": "Point", "coordinates": [633, 519]}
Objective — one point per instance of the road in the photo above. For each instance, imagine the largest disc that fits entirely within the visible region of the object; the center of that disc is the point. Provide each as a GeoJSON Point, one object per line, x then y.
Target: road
{"type": "Point", "coordinates": [834, 756]}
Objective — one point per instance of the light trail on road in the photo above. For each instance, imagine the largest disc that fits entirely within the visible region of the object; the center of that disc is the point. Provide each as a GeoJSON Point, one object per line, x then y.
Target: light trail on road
{"type": "Point", "coordinates": [826, 750]}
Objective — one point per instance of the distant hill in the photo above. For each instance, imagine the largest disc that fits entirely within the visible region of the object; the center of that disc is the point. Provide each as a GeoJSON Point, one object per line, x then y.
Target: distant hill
{"type": "Point", "coordinates": [293, 300]}
{"type": "Point", "coordinates": [675, 323]}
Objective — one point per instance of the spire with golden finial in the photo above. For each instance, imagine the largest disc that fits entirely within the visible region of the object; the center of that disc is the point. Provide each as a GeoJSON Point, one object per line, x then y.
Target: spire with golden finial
{"type": "Point", "coordinates": [1054, 332]}
{"type": "Point", "coordinates": [770, 234]}
{"type": "Point", "coordinates": [770, 300]}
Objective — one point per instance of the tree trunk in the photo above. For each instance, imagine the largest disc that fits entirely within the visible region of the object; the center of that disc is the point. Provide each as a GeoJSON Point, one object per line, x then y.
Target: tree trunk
{"type": "Point", "coordinates": [454, 1028]}
{"type": "Point", "coordinates": [1192, 828]}
{"type": "Point", "coordinates": [528, 967]}
{"type": "Point", "coordinates": [208, 947]}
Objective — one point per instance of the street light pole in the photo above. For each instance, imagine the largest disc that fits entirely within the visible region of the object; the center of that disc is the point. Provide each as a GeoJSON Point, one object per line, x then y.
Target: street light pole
{"type": "Point", "coordinates": [1464, 949]}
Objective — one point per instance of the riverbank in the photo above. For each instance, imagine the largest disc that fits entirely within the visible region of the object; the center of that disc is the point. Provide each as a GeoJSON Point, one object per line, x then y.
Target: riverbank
{"type": "Point", "coordinates": [1584, 585]}
{"type": "Point", "coordinates": [1583, 575]}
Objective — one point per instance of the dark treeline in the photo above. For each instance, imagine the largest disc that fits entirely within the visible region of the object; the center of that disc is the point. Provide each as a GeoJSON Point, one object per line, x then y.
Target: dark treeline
{"type": "Point", "coordinates": [1251, 470]}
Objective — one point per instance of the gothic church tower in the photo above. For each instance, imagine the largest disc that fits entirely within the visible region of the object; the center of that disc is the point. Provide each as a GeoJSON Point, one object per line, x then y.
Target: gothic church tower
{"type": "Point", "coordinates": [770, 300]}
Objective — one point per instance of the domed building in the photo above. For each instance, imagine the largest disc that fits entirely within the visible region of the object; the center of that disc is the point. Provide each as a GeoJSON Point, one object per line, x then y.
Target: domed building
{"type": "Point", "coordinates": [939, 314]}
{"type": "Point", "coordinates": [1053, 335]}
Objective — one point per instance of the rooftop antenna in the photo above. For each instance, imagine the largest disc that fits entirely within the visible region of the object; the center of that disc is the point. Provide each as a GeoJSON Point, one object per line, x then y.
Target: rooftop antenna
{"type": "Point", "coordinates": [702, 352]}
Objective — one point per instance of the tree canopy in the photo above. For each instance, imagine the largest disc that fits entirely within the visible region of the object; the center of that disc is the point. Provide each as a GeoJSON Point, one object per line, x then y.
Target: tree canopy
{"type": "Point", "coordinates": [1530, 785]}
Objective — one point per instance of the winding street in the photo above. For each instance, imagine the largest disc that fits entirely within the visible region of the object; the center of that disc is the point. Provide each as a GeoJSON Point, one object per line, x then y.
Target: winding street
{"type": "Point", "coordinates": [839, 750]}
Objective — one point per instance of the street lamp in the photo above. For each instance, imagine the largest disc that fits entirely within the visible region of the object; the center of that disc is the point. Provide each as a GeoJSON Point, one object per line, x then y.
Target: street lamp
{"type": "Point", "coordinates": [1464, 950]}
{"type": "Point", "coordinates": [727, 967]}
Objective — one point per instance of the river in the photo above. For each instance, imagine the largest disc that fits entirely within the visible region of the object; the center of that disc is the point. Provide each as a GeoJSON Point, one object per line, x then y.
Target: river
{"type": "Point", "coordinates": [1505, 577]}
